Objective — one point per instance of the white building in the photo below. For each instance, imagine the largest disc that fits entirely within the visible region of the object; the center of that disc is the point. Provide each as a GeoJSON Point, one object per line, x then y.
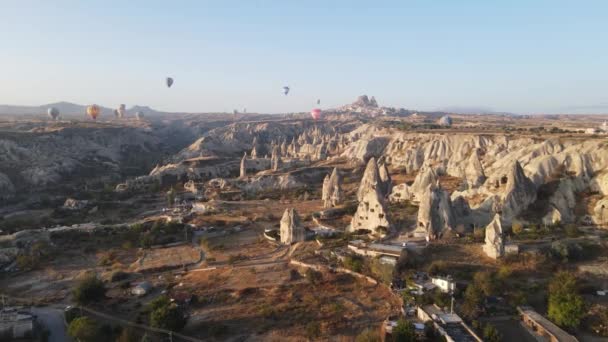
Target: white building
{"type": "Point", "coordinates": [16, 324]}
{"type": "Point", "coordinates": [445, 284]}
{"type": "Point", "coordinates": [141, 289]}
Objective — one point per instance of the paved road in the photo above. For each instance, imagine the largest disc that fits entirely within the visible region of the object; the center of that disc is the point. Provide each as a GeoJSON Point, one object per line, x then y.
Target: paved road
{"type": "Point", "coordinates": [52, 318]}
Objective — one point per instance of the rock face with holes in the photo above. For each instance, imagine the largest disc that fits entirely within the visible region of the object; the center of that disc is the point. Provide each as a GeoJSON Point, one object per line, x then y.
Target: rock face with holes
{"type": "Point", "coordinates": [371, 214]}
{"type": "Point", "coordinates": [332, 189]}
{"type": "Point", "coordinates": [291, 228]}
{"type": "Point", "coordinates": [494, 246]}
{"type": "Point", "coordinates": [435, 213]}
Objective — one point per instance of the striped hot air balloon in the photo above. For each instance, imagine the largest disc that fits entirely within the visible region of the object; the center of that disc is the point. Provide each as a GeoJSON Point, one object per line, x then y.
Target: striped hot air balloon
{"type": "Point", "coordinates": [93, 111]}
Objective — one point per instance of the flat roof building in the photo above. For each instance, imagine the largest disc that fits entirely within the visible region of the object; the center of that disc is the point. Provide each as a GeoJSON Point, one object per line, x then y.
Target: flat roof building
{"type": "Point", "coordinates": [543, 327]}
{"type": "Point", "coordinates": [449, 325]}
{"type": "Point", "coordinates": [16, 324]}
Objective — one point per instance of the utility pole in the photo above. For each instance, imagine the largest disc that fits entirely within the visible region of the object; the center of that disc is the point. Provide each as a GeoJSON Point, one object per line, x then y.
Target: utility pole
{"type": "Point", "coordinates": [452, 305]}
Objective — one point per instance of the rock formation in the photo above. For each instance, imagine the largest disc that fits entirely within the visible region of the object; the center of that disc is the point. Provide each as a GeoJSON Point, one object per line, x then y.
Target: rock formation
{"type": "Point", "coordinates": [243, 169]}
{"type": "Point", "coordinates": [371, 214]}
{"type": "Point", "coordinates": [426, 176]}
{"type": "Point", "coordinates": [552, 217]}
{"type": "Point", "coordinates": [370, 182]}
{"type": "Point", "coordinates": [473, 172]}
{"type": "Point", "coordinates": [494, 246]}
{"type": "Point", "coordinates": [291, 228]}
{"type": "Point", "coordinates": [386, 183]}
{"type": "Point", "coordinates": [332, 189]}
{"type": "Point", "coordinates": [7, 189]}
{"type": "Point", "coordinates": [519, 193]}
{"type": "Point", "coordinates": [435, 215]}
{"type": "Point", "coordinates": [74, 204]}
{"type": "Point", "coordinates": [600, 212]}
{"type": "Point", "coordinates": [275, 160]}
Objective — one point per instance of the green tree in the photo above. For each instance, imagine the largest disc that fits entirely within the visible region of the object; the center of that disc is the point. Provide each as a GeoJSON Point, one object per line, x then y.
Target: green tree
{"type": "Point", "coordinates": [490, 334]}
{"type": "Point", "coordinates": [90, 289]}
{"type": "Point", "coordinates": [159, 302]}
{"type": "Point", "coordinates": [438, 267]}
{"type": "Point", "coordinates": [566, 306]}
{"type": "Point", "coordinates": [169, 317]}
{"type": "Point", "coordinates": [486, 282]}
{"type": "Point", "coordinates": [404, 331]}
{"type": "Point", "coordinates": [473, 298]}
{"type": "Point", "coordinates": [171, 194]}
{"type": "Point", "coordinates": [368, 335]}
{"type": "Point", "coordinates": [83, 329]}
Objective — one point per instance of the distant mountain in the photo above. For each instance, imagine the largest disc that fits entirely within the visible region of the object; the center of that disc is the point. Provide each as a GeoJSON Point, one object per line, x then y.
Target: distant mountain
{"type": "Point", "coordinates": [473, 110]}
{"type": "Point", "coordinates": [71, 110]}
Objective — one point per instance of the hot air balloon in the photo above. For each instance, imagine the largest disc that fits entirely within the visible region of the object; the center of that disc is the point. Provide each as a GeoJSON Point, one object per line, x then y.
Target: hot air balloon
{"type": "Point", "coordinates": [121, 110]}
{"type": "Point", "coordinates": [139, 115]}
{"type": "Point", "coordinates": [315, 113]}
{"type": "Point", "coordinates": [53, 113]}
{"type": "Point", "coordinates": [285, 90]}
{"type": "Point", "coordinates": [169, 82]}
{"type": "Point", "coordinates": [93, 111]}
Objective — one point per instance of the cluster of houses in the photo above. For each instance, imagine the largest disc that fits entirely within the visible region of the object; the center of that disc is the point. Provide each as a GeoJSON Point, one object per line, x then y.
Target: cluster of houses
{"type": "Point", "coordinates": [602, 129]}
{"type": "Point", "coordinates": [16, 324]}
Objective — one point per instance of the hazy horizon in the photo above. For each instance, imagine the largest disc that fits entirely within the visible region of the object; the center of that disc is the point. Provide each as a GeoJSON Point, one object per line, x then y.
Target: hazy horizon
{"type": "Point", "coordinates": [515, 57]}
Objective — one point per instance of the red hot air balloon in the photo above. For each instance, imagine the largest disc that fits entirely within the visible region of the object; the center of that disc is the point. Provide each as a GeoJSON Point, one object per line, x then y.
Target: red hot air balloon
{"type": "Point", "coordinates": [315, 113]}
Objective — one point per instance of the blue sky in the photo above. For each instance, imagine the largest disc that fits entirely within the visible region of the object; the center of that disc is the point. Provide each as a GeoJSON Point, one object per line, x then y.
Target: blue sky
{"type": "Point", "coordinates": [517, 56]}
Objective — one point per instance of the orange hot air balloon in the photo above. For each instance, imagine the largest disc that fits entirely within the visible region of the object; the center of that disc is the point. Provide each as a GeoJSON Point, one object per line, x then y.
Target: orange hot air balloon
{"type": "Point", "coordinates": [93, 111]}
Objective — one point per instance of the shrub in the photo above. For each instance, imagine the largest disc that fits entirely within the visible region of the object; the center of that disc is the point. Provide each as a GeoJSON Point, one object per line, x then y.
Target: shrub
{"type": "Point", "coordinates": [90, 289]}
{"type": "Point", "coordinates": [313, 330]}
{"type": "Point", "coordinates": [438, 267]}
{"type": "Point", "coordinates": [479, 233]}
{"type": "Point", "coordinates": [158, 302]}
{"type": "Point", "coordinates": [313, 276]}
{"type": "Point", "coordinates": [127, 335]}
{"type": "Point", "coordinates": [572, 231]}
{"type": "Point", "coordinates": [368, 335]}
{"type": "Point", "coordinates": [490, 334]}
{"type": "Point", "coordinates": [404, 331]}
{"type": "Point", "coordinates": [486, 282]}
{"type": "Point", "coordinates": [354, 263]}
{"type": "Point", "coordinates": [118, 276]}
{"type": "Point", "coordinates": [517, 227]}
{"type": "Point", "coordinates": [83, 329]}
